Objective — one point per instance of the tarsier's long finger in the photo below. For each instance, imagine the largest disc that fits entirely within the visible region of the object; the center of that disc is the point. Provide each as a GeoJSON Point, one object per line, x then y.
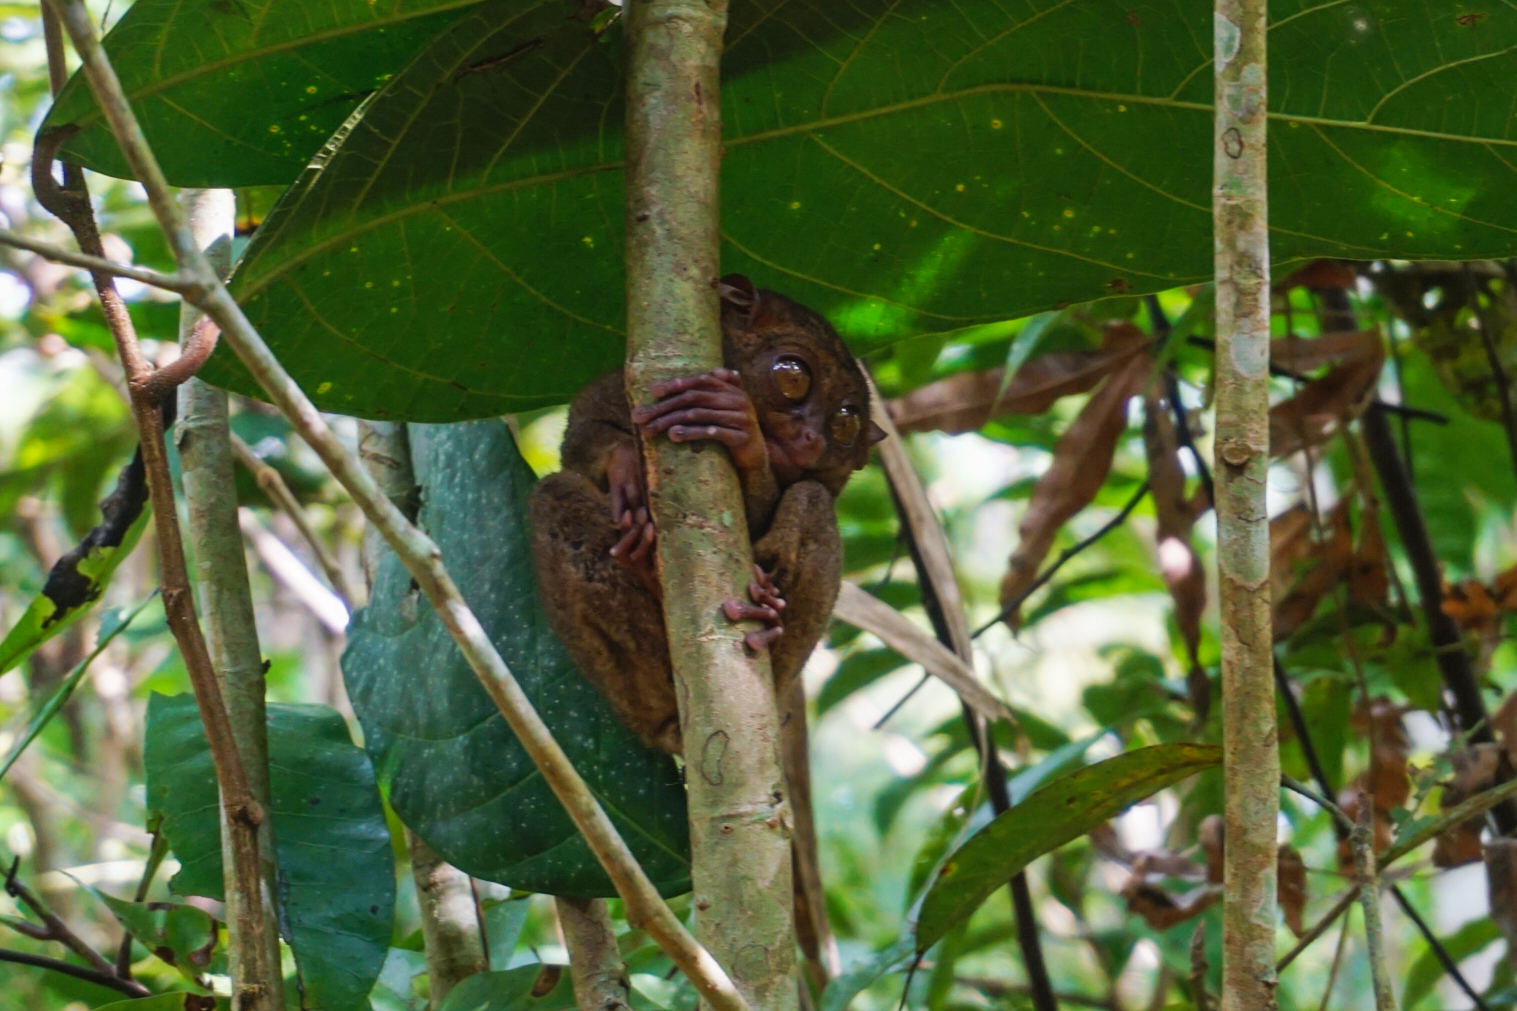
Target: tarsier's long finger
{"type": "Point", "coordinates": [760, 594]}
{"type": "Point", "coordinates": [716, 379]}
{"type": "Point", "coordinates": [727, 398]}
{"type": "Point", "coordinates": [627, 543]}
{"type": "Point", "coordinates": [698, 416]}
{"type": "Point", "coordinates": [742, 610]}
{"type": "Point", "coordinates": [756, 641]}
{"type": "Point", "coordinates": [695, 433]}
{"type": "Point", "coordinates": [644, 546]}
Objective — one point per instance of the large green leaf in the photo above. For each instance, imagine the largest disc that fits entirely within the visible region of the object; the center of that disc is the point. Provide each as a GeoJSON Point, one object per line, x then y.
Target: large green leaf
{"type": "Point", "coordinates": [1065, 809]}
{"type": "Point", "coordinates": [235, 95]}
{"type": "Point", "coordinates": [451, 767]}
{"type": "Point", "coordinates": [509, 990]}
{"type": "Point", "coordinates": [900, 165]}
{"type": "Point", "coordinates": [180, 934]}
{"type": "Point", "coordinates": [336, 868]}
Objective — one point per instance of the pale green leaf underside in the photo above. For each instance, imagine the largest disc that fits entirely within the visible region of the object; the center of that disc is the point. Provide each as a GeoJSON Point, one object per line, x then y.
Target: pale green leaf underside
{"type": "Point", "coordinates": [901, 166]}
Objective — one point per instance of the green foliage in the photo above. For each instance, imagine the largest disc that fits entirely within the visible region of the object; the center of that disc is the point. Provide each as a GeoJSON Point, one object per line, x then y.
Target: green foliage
{"type": "Point", "coordinates": [509, 990]}
{"type": "Point", "coordinates": [449, 764]}
{"type": "Point", "coordinates": [1063, 810]}
{"type": "Point", "coordinates": [336, 870]}
{"type": "Point", "coordinates": [190, 71]}
{"type": "Point", "coordinates": [181, 935]}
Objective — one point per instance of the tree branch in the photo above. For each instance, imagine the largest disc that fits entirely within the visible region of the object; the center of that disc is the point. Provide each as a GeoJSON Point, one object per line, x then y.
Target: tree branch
{"type": "Point", "coordinates": [645, 908]}
{"type": "Point", "coordinates": [108, 980]}
{"type": "Point", "coordinates": [95, 264]}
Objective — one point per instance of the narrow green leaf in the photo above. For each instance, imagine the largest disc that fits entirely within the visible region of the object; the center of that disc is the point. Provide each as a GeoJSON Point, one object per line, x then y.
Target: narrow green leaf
{"type": "Point", "coordinates": [450, 765]}
{"type": "Point", "coordinates": [75, 583]}
{"type": "Point", "coordinates": [1061, 811]}
{"type": "Point", "coordinates": [176, 1001]}
{"type": "Point", "coordinates": [232, 97]}
{"type": "Point", "coordinates": [336, 866]}
{"type": "Point", "coordinates": [112, 624]}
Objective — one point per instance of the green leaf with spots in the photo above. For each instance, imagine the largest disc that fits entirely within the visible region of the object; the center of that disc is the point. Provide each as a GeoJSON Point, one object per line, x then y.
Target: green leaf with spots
{"type": "Point", "coordinates": [336, 867]}
{"type": "Point", "coordinates": [903, 166]}
{"type": "Point", "coordinates": [1059, 812]}
{"type": "Point", "coordinates": [451, 767]}
{"type": "Point", "coordinates": [233, 94]}
{"type": "Point", "coordinates": [181, 935]}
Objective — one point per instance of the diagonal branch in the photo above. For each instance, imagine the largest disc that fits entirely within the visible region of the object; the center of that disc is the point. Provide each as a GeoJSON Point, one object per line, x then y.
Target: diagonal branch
{"type": "Point", "coordinates": [95, 264]}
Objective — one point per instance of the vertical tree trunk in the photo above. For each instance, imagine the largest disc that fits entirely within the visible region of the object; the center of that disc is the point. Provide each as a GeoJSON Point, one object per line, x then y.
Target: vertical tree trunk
{"type": "Point", "coordinates": [221, 580]}
{"type": "Point", "coordinates": [739, 838]}
{"type": "Point", "coordinates": [1251, 756]}
{"type": "Point", "coordinates": [595, 963]}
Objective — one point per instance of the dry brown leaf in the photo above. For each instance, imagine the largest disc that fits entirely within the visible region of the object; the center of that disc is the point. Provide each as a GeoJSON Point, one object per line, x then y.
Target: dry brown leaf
{"type": "Point", "coordinates": [1504, 726]}
{"type": "Point", "coordinates": [1158, 907]}
{"type": "Point", "coordinates": [1476, 769]}
{"type": "Point", "coordinates": [1210, 833]}
{"type": "Point", "coordinates": [1319, 274]}
{"type": "Point", "coordinates": [1303, 354]}
{"type": "Point", "coordinates": [1291, 870]}
{"type": "Point", "coordinates": [1328, 562]}
{"type": "Point", "coordinates": [1081, 461]}
{"type": "Point", "coordinates": [1369, 578]}
{"type": "Point", "coordinates": [1471, 605]}
{"type": "Point", "coordinates": [1387, 777]}
{"type": "Point", "coordinates": [965, 402]}
{"type": "Point", "coordinates": [1290, 545]}
{"type": "Point", "coordinates": [1178, 565]}
{"type": "Point", "coordinates": [1323, 406]}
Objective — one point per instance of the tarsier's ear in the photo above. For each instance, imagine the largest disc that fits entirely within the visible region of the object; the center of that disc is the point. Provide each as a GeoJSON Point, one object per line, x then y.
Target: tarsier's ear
{"type": "Point", "coordinates": [876, 434]}
{"type": "Point", "coordinates": [735, 289]}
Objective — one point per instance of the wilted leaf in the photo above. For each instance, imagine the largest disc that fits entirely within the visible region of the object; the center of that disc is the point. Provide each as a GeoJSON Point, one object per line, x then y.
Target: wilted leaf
{"type": "Point", "coordinates": [1081, 461]}
{"type": "Point", "coordinates": [1291, 871]}
{"type": "Point", "coordinates": [1063, 810]}
{"type": "Point", "coordinates": [1178, 564]}
{"type": "Point", "coordinates": [1319, 274]}
{"type": "Point", "coordinates": [181, 935]}
{"type": "Point", "coordinates": [1161, 910]}
{"type": "Point", "coordinates": [1323, 406]}
{"type": "Point", "coordinates": [965, 402]}
{"type": "Point", "coordinates": [79, 577]}
{"type": "Point", "coordinates": [1300, 354]}
{"type": "Point", "coordinates": [1325, 564]}
{"type": "Point", "coordinates": [1475, 769]}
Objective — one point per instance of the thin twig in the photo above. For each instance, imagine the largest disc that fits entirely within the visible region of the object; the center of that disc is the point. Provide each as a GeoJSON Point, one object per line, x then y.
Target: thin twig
{"type": "Point", "coordinates": [1368, 880]}
{"type": "Point", "coordinates": [273, 484]}
{"type": "Point", "coordinates": [1441, 953]}
{"type": "Point", "coordinates": [108, 980]}
{"type": "Point", "coordinates": [1319, 928]}
{"type": "Point", "coordinates": [422, 558]}
{"type": "Point", "coordinates": [57, 930]}
{"type": "Point", "coordinates": [95, 264]}
{"type": "Point", "coordinates": [1068, 553]}
{"type": "Point", "coordinates": [1316, 798]}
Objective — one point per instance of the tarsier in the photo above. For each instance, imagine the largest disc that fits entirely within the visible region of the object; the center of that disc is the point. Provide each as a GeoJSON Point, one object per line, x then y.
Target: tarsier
{"type": "Point", "coordinates": [792, 407]}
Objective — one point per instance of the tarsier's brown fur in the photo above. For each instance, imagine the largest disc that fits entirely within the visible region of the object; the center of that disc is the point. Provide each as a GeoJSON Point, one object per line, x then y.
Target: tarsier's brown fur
{"type": "Point", "coordinates": [593, 540]}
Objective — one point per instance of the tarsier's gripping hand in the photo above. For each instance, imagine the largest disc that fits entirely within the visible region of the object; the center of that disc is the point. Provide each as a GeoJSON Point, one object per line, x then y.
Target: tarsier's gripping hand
{"type": "Point", "coordinates": [712, 405]}
{"type": "Point", "coordinates": [629, 514]}
{"type": "Point", "coordinates": [764, 604]}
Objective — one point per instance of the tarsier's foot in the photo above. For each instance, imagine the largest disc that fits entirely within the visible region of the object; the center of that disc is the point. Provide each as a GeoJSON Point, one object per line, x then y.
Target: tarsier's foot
{"type": "Point", "coordinates": [764, 604]}
{"type": "Point", "coordinates": [712, 405]}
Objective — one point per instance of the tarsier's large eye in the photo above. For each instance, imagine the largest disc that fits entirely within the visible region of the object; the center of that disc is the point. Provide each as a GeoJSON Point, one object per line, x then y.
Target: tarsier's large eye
{"type": "Point", "coordinates": [792, 377]}
{"type": "Point", "coordinates": [843, 428]}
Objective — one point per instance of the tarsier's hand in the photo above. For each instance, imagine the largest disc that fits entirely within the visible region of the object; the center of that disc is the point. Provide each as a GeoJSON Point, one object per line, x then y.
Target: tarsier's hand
{"type": "Point", "coordinates": [712, 405]}
{"type": "Point", "coordinates": [629, 513]}
{"type": "Point", "coordinates": [764, 604]}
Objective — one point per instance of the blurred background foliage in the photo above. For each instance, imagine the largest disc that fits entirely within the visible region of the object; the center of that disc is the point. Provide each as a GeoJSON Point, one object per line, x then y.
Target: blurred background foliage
{"type": "Point", "coordinates": [1114, 652]}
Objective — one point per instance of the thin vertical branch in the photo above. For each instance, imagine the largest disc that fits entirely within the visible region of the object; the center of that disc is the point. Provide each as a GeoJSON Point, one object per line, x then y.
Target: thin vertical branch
{"type": "Point", "coordinates": [420, 555]}
{"type": "Point", "coordinates": [1251, 752]}
{"type": "Point", "coordinates": [226, 600]}
{"type": "Point", "coordinates": [1365, 876]}
{"type": "Point", "coordinates": [450, 924]}
{"type": "Point", "coordinates": [739, 838]}
{"type": "Point", "coordinates": [595, 964]}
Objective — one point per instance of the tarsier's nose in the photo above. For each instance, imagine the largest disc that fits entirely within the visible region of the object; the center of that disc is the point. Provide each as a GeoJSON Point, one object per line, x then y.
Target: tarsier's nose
{"type": "Point", "coordinates": [809, 446]}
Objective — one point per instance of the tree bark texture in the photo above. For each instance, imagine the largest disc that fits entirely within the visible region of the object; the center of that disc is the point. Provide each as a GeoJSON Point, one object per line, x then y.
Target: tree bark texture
{"type": "Point", "coordinates": [1251, 755]}
{"type": "Point", "coordinates": [595, 963]}
{"type": "Point", "coordinates": [740, 839]}
{"type": "Point", "coordinates": [221, 580]}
